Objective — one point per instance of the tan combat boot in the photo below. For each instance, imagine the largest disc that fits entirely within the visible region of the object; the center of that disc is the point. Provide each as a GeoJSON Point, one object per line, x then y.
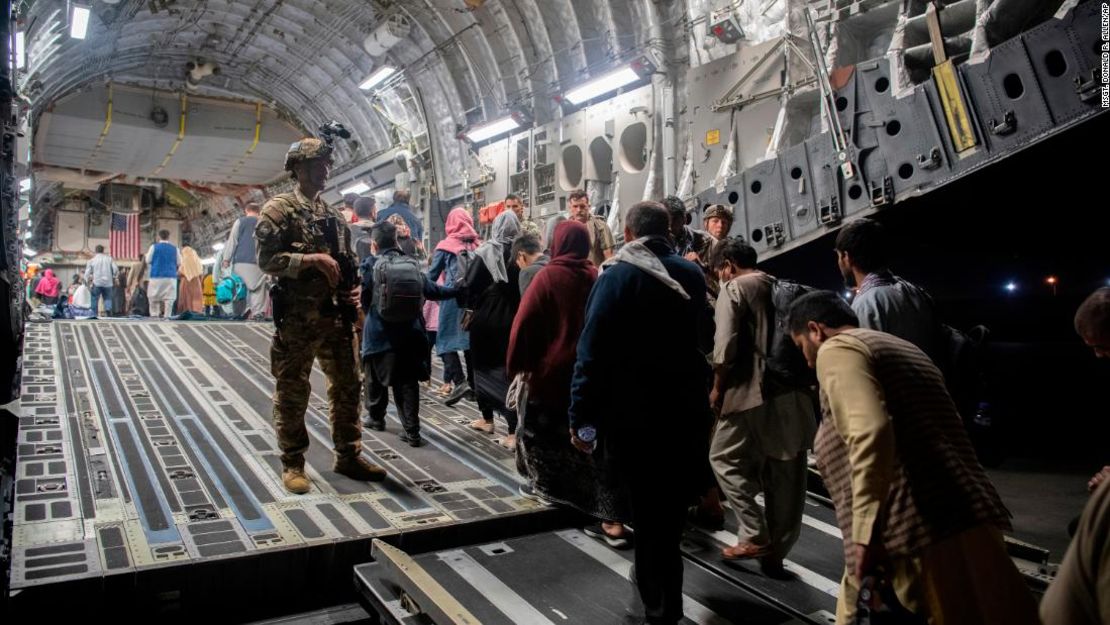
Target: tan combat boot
{"type": "Point", "coordinates": [358, 468]}
{"type": "Point", "coordinates": [295, 480]}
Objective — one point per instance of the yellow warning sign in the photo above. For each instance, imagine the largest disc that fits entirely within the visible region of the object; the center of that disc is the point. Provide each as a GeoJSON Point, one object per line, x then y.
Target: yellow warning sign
{"type": "Point", "coordinates": [713, 137]}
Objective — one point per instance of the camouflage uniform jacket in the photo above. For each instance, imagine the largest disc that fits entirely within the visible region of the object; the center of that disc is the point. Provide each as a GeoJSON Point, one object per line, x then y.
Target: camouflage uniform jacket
{"type": "Point", "coordinates": [290, 227]}
{"type": "Point", "coordinates": [699, 242]}
{"type": "Point", "coordinates": [527, 226]}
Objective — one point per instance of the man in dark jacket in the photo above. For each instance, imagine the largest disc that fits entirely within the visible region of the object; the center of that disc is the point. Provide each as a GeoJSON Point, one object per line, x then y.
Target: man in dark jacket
{"type": "Point", "coordinates": [394, 354]}
{"type": "Point", "coordinates": [638, 369]}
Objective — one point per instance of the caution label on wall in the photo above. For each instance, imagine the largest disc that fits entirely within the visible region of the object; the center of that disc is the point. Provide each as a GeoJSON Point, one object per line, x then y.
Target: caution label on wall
{"type": "Point", "coordinates": [713, 137]}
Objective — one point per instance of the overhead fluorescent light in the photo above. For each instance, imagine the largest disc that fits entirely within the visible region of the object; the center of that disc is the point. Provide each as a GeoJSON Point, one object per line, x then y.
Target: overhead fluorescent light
{"type": "Point", "coordinates": [211, 260]}
{"type": "Point", "coordinates": [602, 84]}
{"type": "Point", "coordinates": [79, 22]}
{"type": "Point", "coordinates": [20, 49]}
{"type": "Point", "coordinates": [29, 253]}
{"type": "Point", "coordinates": [356, 188]}
{"type": "Point", "coordinates": [378, 76]}
{"type": "Point", "coordinates": [25, 185]}
{"type": "Point", "coordinates": [492, 129]}
{"type": "Point", "coordinates": [218, 246]}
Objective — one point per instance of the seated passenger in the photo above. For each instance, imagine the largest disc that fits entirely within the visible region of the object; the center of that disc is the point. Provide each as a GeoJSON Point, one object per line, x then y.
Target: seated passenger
{"type": "Point", "coordinates": [916, 508]}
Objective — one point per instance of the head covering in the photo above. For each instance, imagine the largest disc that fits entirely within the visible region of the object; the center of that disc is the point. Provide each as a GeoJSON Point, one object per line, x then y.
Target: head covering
{"type": "Point", "coordinates": [305, 149]}
{"type": "Point", "coordinates": [505, 228]}
{"type": "Point", "coordinates": [191, 266]}
{"type": "Point", "coordinates": [639, 255]}
{"type": "Point", "coordinates": [400, 222]}
{"type": "Point", "coordinates": [551, 316]}
{"type": "Point", "coordinates": [460, 232]}
{"type": "Point", "coordinates": [718, 210]}
{"type": "Point", "coordinates": [549, 232]}
{"type": "Point", "coordinates": [570, 247]}
{"type": "Point", "coordinates": [48, 286]}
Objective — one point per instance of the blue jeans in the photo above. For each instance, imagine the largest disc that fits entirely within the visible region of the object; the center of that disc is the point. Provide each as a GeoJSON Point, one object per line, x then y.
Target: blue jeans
{"type": "Point", "coordinates": [99, 292]}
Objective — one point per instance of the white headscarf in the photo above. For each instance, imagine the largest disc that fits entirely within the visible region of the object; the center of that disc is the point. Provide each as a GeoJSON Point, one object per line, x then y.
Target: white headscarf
{"type": "Point", "coordinates": [506, 227]}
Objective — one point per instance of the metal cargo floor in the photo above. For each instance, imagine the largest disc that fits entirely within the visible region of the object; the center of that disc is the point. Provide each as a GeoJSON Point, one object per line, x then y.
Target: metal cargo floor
{"type": "Point", "coordinates": [543, 579]}
{"type": "Point", "coordinates": [147, 445]}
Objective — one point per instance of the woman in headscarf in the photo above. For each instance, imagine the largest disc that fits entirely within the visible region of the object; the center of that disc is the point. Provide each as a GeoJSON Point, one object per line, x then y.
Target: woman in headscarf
{"type": "Point", "coordinates": [543, 346]}
{"type": "Point", "coordinates": [493, 296]}
{"type": "Point", "coordinates": [191, 294]}
{"type": "Point", "coordinates": [48, 288]}
{"type": "Point", "coordinates": [451, 338]}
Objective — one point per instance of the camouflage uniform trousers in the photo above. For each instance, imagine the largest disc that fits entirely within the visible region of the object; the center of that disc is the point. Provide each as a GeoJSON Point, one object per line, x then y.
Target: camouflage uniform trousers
{"type": "Point", "coordinates": [303, 338]}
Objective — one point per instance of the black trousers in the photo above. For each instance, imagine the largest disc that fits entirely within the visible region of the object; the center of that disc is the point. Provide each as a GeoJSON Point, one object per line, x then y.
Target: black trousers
{"type": "Point", "coordinates": [658, 504]}
{"type": "Point", "coordinates": [493, 386]}
{"type": "Point", "coordinates": [406, 395]}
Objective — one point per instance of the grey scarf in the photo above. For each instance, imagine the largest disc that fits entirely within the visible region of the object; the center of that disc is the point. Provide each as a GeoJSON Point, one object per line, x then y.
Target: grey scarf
{"type": "Point", "coordinates": [640, 256]}
{"type": "Point", "coordinates": [506, 227]}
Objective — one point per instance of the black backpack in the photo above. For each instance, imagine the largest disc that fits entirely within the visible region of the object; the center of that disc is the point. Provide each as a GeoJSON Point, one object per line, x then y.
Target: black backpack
{"type": "Point", "coordinates": [398, 288]}
{"type": "Point", "coordinates": [784, 365]}
{"type": "Point", "coordinates": [465, 259]}
{"type": "Point", "coordinates": [140, 305]}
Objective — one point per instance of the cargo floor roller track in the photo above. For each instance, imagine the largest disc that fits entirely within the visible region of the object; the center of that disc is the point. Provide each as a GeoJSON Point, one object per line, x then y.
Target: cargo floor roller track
{"type": "Point", "coordinates": [147, 447]}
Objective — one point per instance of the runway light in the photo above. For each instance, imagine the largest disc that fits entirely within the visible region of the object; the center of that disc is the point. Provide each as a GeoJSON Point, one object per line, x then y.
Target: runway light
{"type": "Point", "coordinates": [79, 22]}
{"type": "Point", "coordinates": [20, 49]}
{"type": "Point", "coordinates": [602, 84]}
{"type": "Point", "coordinates": [29, 253]}
{"type": "Point", "coordinates": [218, 246]}
{"type": "Point", "coordinates": [377, 77]}
{"type": "Point", "coordinates": [1011, 287]}
{"type": "Point", "coordinates": [492, 129]}
{"type": "Point", "coordinates": [356, 188]}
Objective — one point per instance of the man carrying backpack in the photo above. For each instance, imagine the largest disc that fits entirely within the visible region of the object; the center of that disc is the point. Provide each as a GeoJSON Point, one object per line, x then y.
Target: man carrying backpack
{"type": "Point", "coordinates": [395, 351]}
{"type": "Point", "coordinates": [765, 420]}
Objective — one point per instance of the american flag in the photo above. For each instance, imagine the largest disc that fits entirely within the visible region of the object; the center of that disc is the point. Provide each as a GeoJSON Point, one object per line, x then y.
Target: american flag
{"type": "Point", "coordinates": [123, 242]}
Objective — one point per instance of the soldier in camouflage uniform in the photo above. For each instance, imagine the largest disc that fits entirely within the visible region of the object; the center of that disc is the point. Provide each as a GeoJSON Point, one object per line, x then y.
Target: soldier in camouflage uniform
{"type": "Point", "coordinates": [302, 242]}
{"type": "Point", "coordinates": [527, 226]}
{"type": "Point", "coordinates": [718, 222]}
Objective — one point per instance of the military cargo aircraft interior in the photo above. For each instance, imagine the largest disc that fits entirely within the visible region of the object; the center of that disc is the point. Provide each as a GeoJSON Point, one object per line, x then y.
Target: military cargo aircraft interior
{"type": "Point", "coordinates": [544, 312]}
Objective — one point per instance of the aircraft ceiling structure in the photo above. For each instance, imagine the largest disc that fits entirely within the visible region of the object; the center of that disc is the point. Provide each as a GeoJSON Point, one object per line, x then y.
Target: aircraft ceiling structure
{"type": "Point", "coordinates": [469, 60]}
